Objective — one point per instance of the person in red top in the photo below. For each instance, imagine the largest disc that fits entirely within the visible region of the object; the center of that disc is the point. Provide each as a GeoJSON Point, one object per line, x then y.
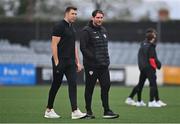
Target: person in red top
{"type": "Point", "coordinates": [148, 62]}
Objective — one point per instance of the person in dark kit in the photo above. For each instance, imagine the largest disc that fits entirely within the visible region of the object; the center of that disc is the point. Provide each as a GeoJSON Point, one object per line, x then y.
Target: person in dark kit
{"type": "Point", "coordinates": [148, 63]}
{"type": "Point", "coordinates": [94, 47]}
{"type": "Point", "coordinates": [64, 61]}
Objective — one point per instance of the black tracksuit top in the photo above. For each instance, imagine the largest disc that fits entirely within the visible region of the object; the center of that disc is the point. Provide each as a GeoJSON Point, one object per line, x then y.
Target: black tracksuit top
{"type": "Point", "coordinates": [66, 46]}
{"type": "Point", "coordinates": [94, 46]}
{"type": "Point", "coordinates": [147, 50]}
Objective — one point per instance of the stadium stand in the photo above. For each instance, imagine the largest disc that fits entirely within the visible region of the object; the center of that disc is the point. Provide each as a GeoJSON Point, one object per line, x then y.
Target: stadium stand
{"type": "Point", "coordinates": [121, 53]}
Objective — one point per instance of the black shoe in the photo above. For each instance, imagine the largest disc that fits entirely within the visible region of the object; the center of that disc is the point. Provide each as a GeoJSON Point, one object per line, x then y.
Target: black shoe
{"type": "Point", "coordinates": [110, 115]}
{"type": "Point", "coordinates": [90, 115]}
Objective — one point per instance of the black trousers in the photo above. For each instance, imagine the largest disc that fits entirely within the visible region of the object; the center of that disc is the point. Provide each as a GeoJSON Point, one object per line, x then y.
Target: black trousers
{"type": "Point", "coordinates": [150, 74]}
{"type": "Point", "coordinates": [68, 68]}
{"type": "Point", "coordinates": [91, 76]}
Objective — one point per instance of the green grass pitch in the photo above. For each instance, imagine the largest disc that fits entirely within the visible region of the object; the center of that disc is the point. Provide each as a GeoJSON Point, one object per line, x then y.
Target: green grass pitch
{"type": "Point", "coordinates": [27, 105]}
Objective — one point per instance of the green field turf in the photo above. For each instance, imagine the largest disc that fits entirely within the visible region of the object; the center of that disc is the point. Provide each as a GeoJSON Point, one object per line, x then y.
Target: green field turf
{"type": "Point", "coordinates": [27, 104]}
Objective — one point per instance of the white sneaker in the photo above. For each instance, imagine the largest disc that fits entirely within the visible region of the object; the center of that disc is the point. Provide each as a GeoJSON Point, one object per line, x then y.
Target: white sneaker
{"type": "Point", "coordinates": [130, 101]}
{"type": "Point", "coordinates": [77, 114]}
{"type": "Point", "coordinates": [161, 103]}
{"type": "Point", "coordinates": [153, 104]}
{"type": "Point", "coordinates": [139, 104]}
{"type": "Point", "coordinates": [51, 114]}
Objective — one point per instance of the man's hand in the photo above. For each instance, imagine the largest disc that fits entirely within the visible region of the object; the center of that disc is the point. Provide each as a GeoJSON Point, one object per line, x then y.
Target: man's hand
{"type": "Point", "coordinates": [57, 66]}
{"type": "Point", "coordinates": [78, 67]}
{"type": "Point", "coordinates": [56, 62]}
{"type": "Point", "coordinates": [158, 64]}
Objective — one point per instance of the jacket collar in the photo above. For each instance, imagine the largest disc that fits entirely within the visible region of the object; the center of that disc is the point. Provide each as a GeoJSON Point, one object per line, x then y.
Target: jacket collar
{"type": "Point", "coordinates": [67, 23]}
{"type": "Point", "coordinates": [146, 41]}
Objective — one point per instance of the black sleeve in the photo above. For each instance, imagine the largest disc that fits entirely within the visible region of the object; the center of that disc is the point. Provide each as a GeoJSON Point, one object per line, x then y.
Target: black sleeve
{"type": "Point", "coordinates": [153, 54]}
{"type": "Point", "coordinates": [158, 64]}
{"type": "Point", "coordinates": [58, 30]}
{"type": "Point", "coordinates": [84, 39]}
{"type": "Point", "coordinates": [157, 61]}
{"type": "Point", "coordinates": [145, 54]}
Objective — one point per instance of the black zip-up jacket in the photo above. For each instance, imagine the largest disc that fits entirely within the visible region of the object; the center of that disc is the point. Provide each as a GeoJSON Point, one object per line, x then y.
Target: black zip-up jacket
{"type": "Point", "coordinates": [94, 46]}
{"type": "Point", "coordinates": [146, 52]}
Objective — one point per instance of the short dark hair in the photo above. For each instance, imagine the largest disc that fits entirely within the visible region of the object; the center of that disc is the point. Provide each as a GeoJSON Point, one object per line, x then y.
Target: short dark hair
{"type": "Point", "coordinates": [70, 8]}
{"type": "Point", "coordinates": [149, 33]}
{"type": "Point", "coordinates": [151, 30]}
{"type": "Point", "coordinates": [94, 13]}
